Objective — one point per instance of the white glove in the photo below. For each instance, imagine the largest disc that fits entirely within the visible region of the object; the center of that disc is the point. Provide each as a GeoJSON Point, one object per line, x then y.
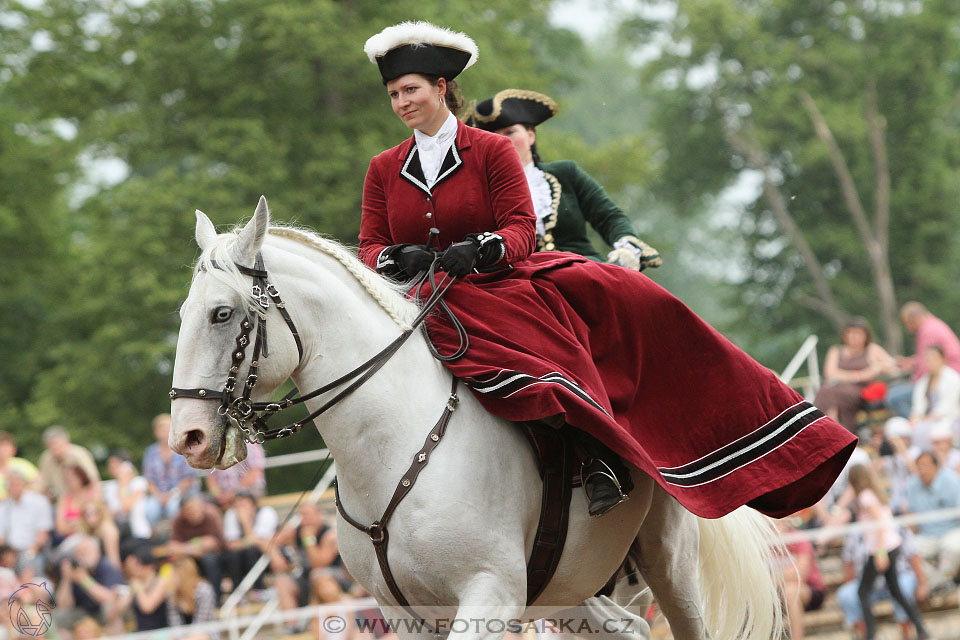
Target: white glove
{"type": "Point", "coordinates": [632, 253]}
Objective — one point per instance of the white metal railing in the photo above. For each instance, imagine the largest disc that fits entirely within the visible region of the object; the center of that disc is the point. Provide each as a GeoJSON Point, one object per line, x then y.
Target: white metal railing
{"type": "Point", "coordinates": [240, 590]}
{"type": "Point", "coordinates": [806, 353]}
{"type": "Point", "coordinates": [823, 534]}
{"type": "Point", "coordinates": [295, 458]}
{"type": "Point", "coordinates": [277, 617]}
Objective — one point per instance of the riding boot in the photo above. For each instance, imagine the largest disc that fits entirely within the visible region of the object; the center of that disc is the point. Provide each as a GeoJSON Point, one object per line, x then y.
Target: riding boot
{"type": "Point", "coordinates": [606, 479]}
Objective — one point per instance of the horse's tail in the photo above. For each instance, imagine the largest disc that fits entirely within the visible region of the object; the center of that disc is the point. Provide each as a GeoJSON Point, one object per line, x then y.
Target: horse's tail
{"type": "Point", "coordinates": [739, 583]}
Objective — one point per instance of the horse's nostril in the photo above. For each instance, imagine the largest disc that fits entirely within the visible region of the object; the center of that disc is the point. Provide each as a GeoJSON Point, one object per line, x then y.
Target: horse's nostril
{"type": "Point", "coordinates": [194, 438]}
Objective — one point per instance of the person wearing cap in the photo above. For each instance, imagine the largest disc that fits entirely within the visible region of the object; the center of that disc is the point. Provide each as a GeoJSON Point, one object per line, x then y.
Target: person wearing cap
{"type": "Point", "coordinates": [565, 197]}
{"type": "Point", "coordinates": [556, 337]}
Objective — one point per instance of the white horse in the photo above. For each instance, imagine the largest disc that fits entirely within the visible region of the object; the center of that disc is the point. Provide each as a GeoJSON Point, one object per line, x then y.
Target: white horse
{"type": "Point", "coordinates": [462, 537]}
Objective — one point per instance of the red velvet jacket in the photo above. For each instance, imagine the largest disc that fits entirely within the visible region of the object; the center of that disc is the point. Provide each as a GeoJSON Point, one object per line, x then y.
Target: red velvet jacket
{"type": "Point", "coordinates": [481, 187]}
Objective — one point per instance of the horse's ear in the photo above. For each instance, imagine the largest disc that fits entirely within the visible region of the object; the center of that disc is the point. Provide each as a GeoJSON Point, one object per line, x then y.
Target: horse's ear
{"type": "Point", "coordinates": [251, 237]}
{"type": "Point", "coordinates": [206, 234]}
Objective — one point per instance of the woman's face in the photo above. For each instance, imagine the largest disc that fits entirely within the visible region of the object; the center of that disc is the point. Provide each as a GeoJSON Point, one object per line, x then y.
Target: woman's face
{"type": "Point", "coordinates": [855, 337]}
{"type": "Point", "coordinates": [418, 103]}
{"type": "Point", "coordinates": [933, 360]}
{"type": "Point", "coordinates": [522, 138]}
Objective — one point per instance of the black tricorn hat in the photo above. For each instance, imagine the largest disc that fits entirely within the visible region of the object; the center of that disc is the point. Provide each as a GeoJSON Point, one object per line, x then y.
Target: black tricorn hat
{"type": "Point", "coordinates": [420, 47]}
{"type": "Point", "coordinates": [510, 107]}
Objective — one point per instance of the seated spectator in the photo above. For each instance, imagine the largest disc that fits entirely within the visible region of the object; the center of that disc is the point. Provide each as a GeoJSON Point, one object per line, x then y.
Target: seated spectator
{"type": "Point", "coordinates": [932, 489]}
{"type": "Point", "coordinates": [149, 588]}
{"type": "Point", "coordinates": [910, 576]}
{"type": "Point", "coordinates": [191, 599]}
{"type": "Point", "coordinates": [897, 461]}
{"type": "Point", "coordinates": [59, 457]}
{"type": "Point", "coordinates": [325, 589]}
{"type": "Point", "coordinates": [168, 474]}
{"type": "Point", "coordinates": [248, 530]}
{"type": "Point", "coordinates": [930, 331]}
{"type": "Point", "coordinates": [249, 475]}
{"type": "Point", "coordinates": [126, 495]}
{"type": "Point", "coordinates": [307, 545]}
{"type": "Point", "coordinates": [25, 523]}
{"type": "Point", "coordinates": [884, 546]}
{"type": "Point", "coordinates": [89, 585]}
{"type": "Point", "coordinates": [849, 367]}
{"type": "Point", "coordinates": [97, 521]}
{"type": "Point", "coordinates": [941, 441]}
{"type": "Point", "coordinates": [936, 398]}
{"type": "Point", "coordinates": [197, 531]}
{"type": "Point", "coordinates": [803, 585]}
{"type": "Point", "coordinates": [86, 628]}
{"type": "Point", "coordinates": [78, 491]}
{"type": "Point", "coordinates": [10, 462]}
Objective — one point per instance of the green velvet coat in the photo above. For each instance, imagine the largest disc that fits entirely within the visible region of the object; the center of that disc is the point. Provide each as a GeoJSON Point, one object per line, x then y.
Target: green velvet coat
{"type": "Point", "coordinates": [577, 200]}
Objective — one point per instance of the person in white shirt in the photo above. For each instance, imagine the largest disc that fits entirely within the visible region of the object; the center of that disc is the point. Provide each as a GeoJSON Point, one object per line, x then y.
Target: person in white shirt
{"type": "Point", "coordinates": [126, 496]}
{"type": "Point", "coordinates": [26, 520]}
{"type": "Point", "coordinates": [936, 397]}
{"type": "Point", "coordinates": [248, 531]}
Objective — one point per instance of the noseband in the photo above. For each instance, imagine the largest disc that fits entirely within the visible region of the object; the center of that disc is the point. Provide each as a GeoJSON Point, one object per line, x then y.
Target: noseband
{"type": "Point", "coordinates": [250, 417]}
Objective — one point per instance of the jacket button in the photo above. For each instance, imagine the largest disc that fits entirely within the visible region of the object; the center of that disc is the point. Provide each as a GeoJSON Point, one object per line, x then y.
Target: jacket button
{"type": "Point", "coordinates": [429, 215]}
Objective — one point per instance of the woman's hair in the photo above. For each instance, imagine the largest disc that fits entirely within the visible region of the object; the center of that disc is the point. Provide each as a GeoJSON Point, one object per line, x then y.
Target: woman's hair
{"type": "Point", "coordinates": [453, 98]}
{"type": "Point", "coordinates": [186, 578]}
{"type": "Point", "coordinates": [862, 478]}
{"type": "Point", "coordinates": [533, 147]}
{"type": "Point", "coordinates": [858, 322]}
{"type": "Point", "coordinates": [85, 480]}
{"type": "Point", "coordinates": [317, 579]}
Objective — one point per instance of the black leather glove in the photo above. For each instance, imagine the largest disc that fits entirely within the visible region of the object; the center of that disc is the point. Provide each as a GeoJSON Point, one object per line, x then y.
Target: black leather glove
{"type": "Point", "coordinates": [404, 260]}
{"type": "Point", "coordinates": [460, 257]}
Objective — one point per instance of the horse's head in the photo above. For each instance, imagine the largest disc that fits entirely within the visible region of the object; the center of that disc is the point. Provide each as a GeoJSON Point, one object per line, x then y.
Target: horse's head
{"type": "Point", "coordinates": [211, 347]}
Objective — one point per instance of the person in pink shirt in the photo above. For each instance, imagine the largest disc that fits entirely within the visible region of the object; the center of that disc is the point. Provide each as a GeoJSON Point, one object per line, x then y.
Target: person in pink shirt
{"type": "Point", "coordinates": [930, 331]}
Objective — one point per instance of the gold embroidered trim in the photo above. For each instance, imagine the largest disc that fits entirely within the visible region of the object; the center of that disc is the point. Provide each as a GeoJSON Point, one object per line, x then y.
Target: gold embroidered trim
{"type": "Point", "coordinates": [522, 94]}
{"type": "Point", "coordinates": [546, 242]}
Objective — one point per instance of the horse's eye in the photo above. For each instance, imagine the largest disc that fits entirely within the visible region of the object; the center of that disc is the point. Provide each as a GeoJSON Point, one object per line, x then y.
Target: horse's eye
{"type": "Point", "coordinates": [222, 314]}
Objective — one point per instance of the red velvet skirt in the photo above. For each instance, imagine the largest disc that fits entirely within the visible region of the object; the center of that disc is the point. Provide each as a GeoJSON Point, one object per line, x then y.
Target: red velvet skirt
{"type": "Point", "coordinates": [619, 357]}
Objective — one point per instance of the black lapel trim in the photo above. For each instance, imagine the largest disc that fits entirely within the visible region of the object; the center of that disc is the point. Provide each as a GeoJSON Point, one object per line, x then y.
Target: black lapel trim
{"type": "Point", "coordinates": [546, 241]}
{"type": "Point", "coordinates": [506, 383]}
{"type": "Point", "coordinates": [745, 450]}
{"type": "Point", "coordinates": [412, 172]}
{"type": "Point", "coordinates": [451, 163]}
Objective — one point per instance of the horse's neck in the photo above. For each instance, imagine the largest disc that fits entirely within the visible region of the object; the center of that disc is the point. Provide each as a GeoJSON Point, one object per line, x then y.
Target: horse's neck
{"type": "Point", "coordinates": [373, 433]}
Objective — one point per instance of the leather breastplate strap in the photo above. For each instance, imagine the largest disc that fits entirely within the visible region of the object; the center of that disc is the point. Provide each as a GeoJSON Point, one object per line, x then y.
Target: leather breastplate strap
{"type": "Point", "coordinates": [378, 530]}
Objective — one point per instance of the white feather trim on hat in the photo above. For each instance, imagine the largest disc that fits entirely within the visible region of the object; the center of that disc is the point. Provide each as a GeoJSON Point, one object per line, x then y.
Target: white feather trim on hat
{"type": "Point", "coordinates": [419, 32]}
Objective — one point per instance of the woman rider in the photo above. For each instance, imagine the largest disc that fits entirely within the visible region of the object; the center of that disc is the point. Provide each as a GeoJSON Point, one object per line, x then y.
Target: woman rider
{"type": "Point", "coordinates": [555, 334]}
{"type": "Point", "coordinates": [565, 197]}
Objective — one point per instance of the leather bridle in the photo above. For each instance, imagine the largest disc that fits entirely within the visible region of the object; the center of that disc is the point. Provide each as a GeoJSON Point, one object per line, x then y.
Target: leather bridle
{"type": "Point", "coordinates": [250, 417]}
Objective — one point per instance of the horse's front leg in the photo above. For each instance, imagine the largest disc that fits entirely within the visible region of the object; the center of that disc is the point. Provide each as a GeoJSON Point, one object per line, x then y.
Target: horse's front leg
{"type": "Point", "coordinates": [488, 606]}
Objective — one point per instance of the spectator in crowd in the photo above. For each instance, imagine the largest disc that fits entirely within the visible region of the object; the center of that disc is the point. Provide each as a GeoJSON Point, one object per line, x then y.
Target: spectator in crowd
{"type": "Point", "coordinates": [89, 585]}
{"type": "Point", "coordinates": [168, 474]}
{"type": "Point", "coordinates": [897, 461]}
{"type": "Point", "coordinates": [849, 367]}
{"type": "Point", "coordinates": [78, 491]}
{"type": "Point", "coordinates": [86, 628]}
{"type": "Point", "coordinates": [941, 445]}
{"type": "Point", "coordinates": [248, 530]}
{"type": "Point", "coordinates": [803, 585]}
{"type": "Point", "coordinates": [249, 475]}
{"type": "Point", "coordinates": [307, 545]}
{"type": "Point", "coordinates": [192, 599]}
{"type": "Point", "coordinates": [197, 531]}
{"type": "Point", "coordinates": [59, 456]}
{"type": "Point", "coordinates": [97, 521]}
{"type": "Point", "coordinates": [935, 488]}
{"type": "Point", "coordinates": [126, 495]}
{"type": "Point", "coordinates": [936, 398]}
{"type": "Point", "coordinates": [25, 522]}
{"type": "Point", "coordinates": [325, 589]}
{"type": "Point", "coordinates": [910, 576]}
{"type": "Point", "coordinates": [10, 462]}
{"type": "Point", "coordinates": [149, 588]}
{"type": "Point", "coordinates": [884, 546]}
{"type": "Point", "coordinates": [930, 331]}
